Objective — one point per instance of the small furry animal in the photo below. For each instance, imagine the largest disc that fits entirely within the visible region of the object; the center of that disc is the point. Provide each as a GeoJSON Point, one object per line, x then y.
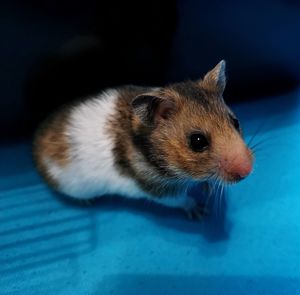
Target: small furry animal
{"type": "Point", "coordinates": [144, 143]}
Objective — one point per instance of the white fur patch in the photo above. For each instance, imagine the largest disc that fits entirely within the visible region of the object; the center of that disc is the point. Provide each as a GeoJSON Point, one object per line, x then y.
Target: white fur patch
{"type": "Point", "coordinates": [91, 171]}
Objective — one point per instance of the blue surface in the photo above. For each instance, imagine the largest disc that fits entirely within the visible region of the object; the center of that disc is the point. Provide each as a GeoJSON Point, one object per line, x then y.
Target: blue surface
{"type": "Point", "coordinates": [249, 244]}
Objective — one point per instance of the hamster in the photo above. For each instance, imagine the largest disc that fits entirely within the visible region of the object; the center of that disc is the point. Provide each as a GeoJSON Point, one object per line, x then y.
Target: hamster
{"type": "Point", "coordinates": [141, 142]}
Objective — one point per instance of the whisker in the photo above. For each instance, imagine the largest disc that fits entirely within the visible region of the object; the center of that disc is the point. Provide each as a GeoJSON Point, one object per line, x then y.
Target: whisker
{"type": "Point", "coordinates": [257, 131]}
{"type": "Point", "coordinates": [211, 189]}
{"type": "Point", "coordinates": [257, 151]}
{"type": "Point", "coordinates": [215, 194]}
{"type": "Point", "coordinates": [219, 197]}
{"type": "Point", "coordinates": [260, 142]}
{"type": "Point", "coordinates": [222, 196]}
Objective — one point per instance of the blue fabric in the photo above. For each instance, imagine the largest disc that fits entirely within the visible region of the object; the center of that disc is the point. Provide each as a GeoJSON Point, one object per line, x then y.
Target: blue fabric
{"type": "Point", "coordinates": [249, 244]}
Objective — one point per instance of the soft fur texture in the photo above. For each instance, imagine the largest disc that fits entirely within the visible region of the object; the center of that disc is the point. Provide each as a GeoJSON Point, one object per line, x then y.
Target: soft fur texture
{"type": "Point", "coordinates": [90, 169]}
{"type": "Point", "coordinates": [134, 141]}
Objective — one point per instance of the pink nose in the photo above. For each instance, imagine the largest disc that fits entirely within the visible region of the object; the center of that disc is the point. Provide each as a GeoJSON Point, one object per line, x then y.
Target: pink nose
{"type": "Point", "coordinates": [239, 165]}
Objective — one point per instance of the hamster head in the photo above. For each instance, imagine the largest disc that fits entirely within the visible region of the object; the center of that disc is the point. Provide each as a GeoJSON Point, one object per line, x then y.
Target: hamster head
{"type": "Point", "coordinates": [187, 131]}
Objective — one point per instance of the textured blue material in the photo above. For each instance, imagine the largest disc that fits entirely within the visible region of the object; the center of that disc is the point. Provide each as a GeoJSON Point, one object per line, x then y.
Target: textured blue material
{"type": "Point", "coordinates": [249, 244]}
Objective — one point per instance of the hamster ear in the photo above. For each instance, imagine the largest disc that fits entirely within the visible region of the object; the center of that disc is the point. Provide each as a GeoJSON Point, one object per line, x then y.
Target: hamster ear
{"type": "Point", "coordinates": [216, 78]}
{"type": "Point", "coordinates": [151, 109]}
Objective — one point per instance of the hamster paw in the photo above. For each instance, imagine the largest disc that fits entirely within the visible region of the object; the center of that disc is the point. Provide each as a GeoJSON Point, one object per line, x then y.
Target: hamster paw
{"type": "Point", "coordinates": [195, 210]}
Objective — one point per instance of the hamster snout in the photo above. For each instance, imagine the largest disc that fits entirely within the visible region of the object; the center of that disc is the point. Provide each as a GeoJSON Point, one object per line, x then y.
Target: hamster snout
{"type": "Point", "coordinates": [236, 165]}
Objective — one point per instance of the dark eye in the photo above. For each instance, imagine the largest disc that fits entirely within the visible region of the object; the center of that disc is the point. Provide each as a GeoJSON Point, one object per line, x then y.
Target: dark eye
{"type": "Point", "coordinates": [235, 123]}
{"type": "Point", "coordinates": [198, 142]}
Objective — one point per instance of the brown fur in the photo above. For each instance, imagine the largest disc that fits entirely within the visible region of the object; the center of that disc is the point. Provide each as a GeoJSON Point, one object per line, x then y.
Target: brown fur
{"type": "Point", "coordinates": [164, 147]}
{"type": "Point", "coordinates": [124, 125]}
{"type": "Point", "coordinates": [51, 142]}
{"type": "Point", "coordinates": [120, 126]}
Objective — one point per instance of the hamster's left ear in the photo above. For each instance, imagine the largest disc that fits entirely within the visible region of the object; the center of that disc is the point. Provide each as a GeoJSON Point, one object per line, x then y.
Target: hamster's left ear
{"type": "Point", "coordinates": [151, 109]}
{"type": "Point", "coordinates": [216, 78]}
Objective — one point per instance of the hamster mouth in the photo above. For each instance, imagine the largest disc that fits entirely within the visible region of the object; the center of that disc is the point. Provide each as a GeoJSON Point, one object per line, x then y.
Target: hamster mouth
{"type": "Point", "coordinates": [221, 175]}
{"type": "Point", "coordinates": [232, 179]}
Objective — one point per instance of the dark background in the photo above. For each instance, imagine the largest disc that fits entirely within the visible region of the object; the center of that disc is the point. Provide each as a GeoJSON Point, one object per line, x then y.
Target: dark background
{"type": "Point", "coordinates": [53, 51]}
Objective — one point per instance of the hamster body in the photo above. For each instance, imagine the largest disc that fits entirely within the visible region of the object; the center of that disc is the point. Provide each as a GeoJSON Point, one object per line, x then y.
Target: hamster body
{"type": "Point", "coordinates": [78, 159]}
{"type": "Point", "coordinates": [144, 142]}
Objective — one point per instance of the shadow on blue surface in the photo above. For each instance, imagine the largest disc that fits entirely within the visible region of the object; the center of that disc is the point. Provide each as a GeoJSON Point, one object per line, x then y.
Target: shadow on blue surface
{"type": "Point", "coordinates": [127, 284]}
{"type": "Point", "coordinates": [214, 227]}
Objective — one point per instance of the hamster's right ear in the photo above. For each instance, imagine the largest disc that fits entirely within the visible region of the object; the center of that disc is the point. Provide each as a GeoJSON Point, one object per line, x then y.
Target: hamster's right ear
{"type": "Point", "coordinates": [151, 109]}
{"type": "Point", "coordinates": [216, 78]}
